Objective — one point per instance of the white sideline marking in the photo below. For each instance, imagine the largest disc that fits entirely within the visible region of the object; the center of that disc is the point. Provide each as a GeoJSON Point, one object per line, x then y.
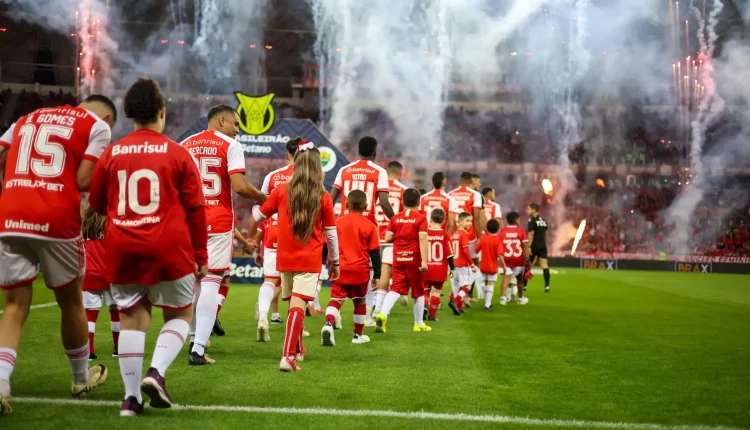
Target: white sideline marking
{"type": "Point", "coordinates": [43, 305]}
{"type": "Point", "coordinates": [389, 414]}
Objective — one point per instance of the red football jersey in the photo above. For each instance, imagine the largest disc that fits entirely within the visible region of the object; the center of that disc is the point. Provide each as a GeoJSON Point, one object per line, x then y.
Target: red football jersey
{"type": "Point", "coordinates": [406, 228]}
{"type": "Point", "coordinates": [357, 235]}
{"type": "Point", "coordinates": [461, 252]}
{"type": "Point", "coordinates": [492, 210]}
{"type": "Point", "coordinates": [270, 230]}
{"type": "Point", "coordinates": [438, 199]}
{"type": "Point", "coordinates": [294, 256]}
{"type": "Point", "coordinates": [440, 250]}
{"type": "Point", "coordinates": [396, 198]}
{"type": "Point", "coordinates": [513, 237]}
{"type": "Point", "coordinates": [490, 246]}
{"type": "Point", "coordinates": [150, 189]}
{"type": "Point", "coordinates": [40, 197]}
{"type": "Point", "coordinates": [270, 182]}
{"type": "Point", "coordinates": [363, 175]}
{"type": "Point", "coordinates": [95, 265]}
{"type": "Point", "coordinates": [219, 156]}
{"type": "Point", "coordinates": [468, 200]}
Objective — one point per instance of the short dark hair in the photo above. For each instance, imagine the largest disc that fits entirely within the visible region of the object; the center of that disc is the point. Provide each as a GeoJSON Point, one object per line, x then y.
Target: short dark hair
{"type": "Point", "coordinates": [463, 215]}
{"type": "Point", "coordinates": [106, 101]}
{"type": "Point", "coordinates": [219, 110]}
{"type": "Point", "coordinates": [394, 166]}
{"type": "Point", "coordinates": [493, 226]}
{"type": "Point", "coordinates": [487, 190]}
{"type": "Point", "coordinates": [292, 144]}
{"type": "Point", "coordinates": [367, 146]}
{"type": "Point", "coordinates": [466, 176]}
{"type": "Point", "coordinates": [511, 217]}
{"type": "Point", "coordinates": [422, 191]}
{"type": "Point", "coordinates": [356, 200]}
{"type": "Point", "coordinates": [437, 179]}
{"type": "Point", "coordinates": [143, 101]}
{"type": "Point", "coordinates": [534, 206]}
{"type": "Point", "coordinates": [475, 176]}
{"type": "Point", "coordinates": [437, 216]}
{"type": "Point", "coordinates": [411, 197]}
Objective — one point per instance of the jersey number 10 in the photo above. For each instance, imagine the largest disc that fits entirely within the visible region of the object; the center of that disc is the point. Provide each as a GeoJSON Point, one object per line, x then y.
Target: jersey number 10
{"type": "Point", "coordinates": [129, 192]}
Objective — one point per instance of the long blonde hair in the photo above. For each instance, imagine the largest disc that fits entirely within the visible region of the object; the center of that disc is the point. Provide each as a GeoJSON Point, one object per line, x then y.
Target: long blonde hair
{"type": "Point", "coordinates": [93, 223]}
{"type": "Point", "coordinates": [304, 192]}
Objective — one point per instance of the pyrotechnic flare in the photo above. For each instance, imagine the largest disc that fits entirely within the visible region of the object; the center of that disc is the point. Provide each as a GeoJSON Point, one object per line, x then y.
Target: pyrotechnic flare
{"type": "Point", "coordinates": [579, 234]}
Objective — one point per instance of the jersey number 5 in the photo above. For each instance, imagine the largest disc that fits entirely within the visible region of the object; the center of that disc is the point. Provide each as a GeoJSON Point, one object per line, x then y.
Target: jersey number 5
{"type": "Point", "coordinates": [211, 180]}
{"type": "Point", "coordinates": [129, 192]}
{"type": "Point", "coordinates": [52, 160]}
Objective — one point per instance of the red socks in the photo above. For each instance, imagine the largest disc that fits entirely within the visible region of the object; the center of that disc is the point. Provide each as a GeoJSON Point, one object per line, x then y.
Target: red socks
{"type": "Point", "coordinates": [294, 322]}
{"type": "Point", "coordinates": [92, 315]}
{"type": "Point", "coordinates": [459, 299]}
{"type": "Point", "coordinates": [434, 305]}
{"type": "Point", "coordinates": [360, 316]}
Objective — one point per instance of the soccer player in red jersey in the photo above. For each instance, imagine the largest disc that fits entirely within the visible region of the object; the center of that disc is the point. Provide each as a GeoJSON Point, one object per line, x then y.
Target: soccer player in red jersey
{"type": "Point", "coordinates": [48, 157]}
{"type": "Point", "coordinates": [268, 295]}
{"type": "Point", "coordinates": [438, 198]}
{"type": "Point", "coordinates": [408, 232]}
{"type": "Point", "coordinates": [395, 198]}
{"type": "Point", "coordinates": [464, 265]}
{"type": "Point", "coordinates": [490, 248]}
{"type": "Point", "coordinates": [516, 255]}
{"type": "Point", "coordinates": [96, 288]}
{"type": "Point", "coordinates": [303, 205]}
{"type": "Point", "coordinates": [440, 258]}
{"type": "Point", "coordinates": [472, 202]}
{"type": "Point", "coordinates": [364, 175]}
{"type": "Point", "coordinates": [360, 246]}
{"type": "Point", "coordinates": [150, 187]}
{"type": "Point", "coordinates": [222, 167]}
{"type": "Point", "coordinates": [492, 210]}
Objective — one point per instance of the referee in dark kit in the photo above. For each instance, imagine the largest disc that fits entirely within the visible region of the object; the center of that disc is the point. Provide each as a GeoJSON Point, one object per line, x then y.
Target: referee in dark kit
{"type": "Point", "coordinates": [538, 237]}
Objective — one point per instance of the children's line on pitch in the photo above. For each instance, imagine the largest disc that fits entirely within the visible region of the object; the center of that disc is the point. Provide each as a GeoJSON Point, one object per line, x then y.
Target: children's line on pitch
{"type": "Point", "coordinates": [43, 305]}
{"type": "Point", "coordinates": [421, 415]}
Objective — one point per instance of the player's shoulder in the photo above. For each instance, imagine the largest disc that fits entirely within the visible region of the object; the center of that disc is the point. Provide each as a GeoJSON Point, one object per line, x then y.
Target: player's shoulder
{"type": "Point", "coordinates": [397, 184]}
{"type": "Point", "coordinates": [376, 167]}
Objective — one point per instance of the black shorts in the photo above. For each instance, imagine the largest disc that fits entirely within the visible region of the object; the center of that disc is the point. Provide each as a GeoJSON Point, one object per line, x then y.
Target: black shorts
{"type": "Point", "coordinates": [537, 253]}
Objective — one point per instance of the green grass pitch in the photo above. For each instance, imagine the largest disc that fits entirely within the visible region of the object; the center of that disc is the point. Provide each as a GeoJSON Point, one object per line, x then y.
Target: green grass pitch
{"type": "Point", "coordinates": [607, 347]}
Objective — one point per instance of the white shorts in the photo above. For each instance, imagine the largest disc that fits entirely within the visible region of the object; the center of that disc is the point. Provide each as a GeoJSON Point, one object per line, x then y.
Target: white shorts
{"type": "Point", "coordinates": [324, 275]}
{"type": "Point", "coordinates": [61, 262]}
{"type": "Point", "coordinates": [220, 252]}
{"type": "Point", "coordinates": [515, 271]}
{"type": "Point", "coordinates": [94, 299]}
{"type": "Point", "coordinates": [463, 277]}
{"type": "Point", "coordinates": [177, 294]}
{"type": "Point", "coordinates": [488, 277]}
{"type": "Point", "coordinates": [387, 255]}
{"type": "Point", "coordinates": [473, 253]}
{"type": "Point", "coordinates": [269, 264]}
{"type": "Point", "coordinates": [299, 284]}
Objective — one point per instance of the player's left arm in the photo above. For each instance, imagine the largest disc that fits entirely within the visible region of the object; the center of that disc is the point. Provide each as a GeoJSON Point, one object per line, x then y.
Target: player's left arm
{"type": "Point", "coordinates": [385, 204]}
{"type": "Point", "coordinates": [328, 219]}
{"type": "Point", "coordinates": [424, 246]}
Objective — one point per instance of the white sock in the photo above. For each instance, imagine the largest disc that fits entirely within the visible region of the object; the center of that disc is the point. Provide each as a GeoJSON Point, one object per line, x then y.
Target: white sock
{"type": "Point", "coordinates": [196, 296]}
{"type": "Point", "coordinates": [330, 310]}
{"type": "Point", "coordinates": [265, 297]}
{"type": "Point", "coordinates": [489, 290]}
{"type": "Point", "coordinates": [92, 327]}
{"type": "Point", "coordinates": [379, 299]}
{"type": "Point", "coordinates": [418, 309]}
{"type": "Point", "coordinates": [390, 299]}
{"type": "Point", "coordinates": [220, 298]}
{"type": "Point", "coordinates": [205, 312]}
{"type": "Point", "coordinates": [7, 362]}
{"type": "Point", "coordinates": [168, 344]}
{"type": "Point", "coordinates": [79, 363]}
{"type": "Point", "coordinates": [370, 299]}
{"type": "Point", "coordinates": [132, 345]}
{"type": "Point", "coordinates": [115, 326]}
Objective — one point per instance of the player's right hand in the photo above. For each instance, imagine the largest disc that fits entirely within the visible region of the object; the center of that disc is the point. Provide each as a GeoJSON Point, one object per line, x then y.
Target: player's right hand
{"type": "Point", "coordinates": [202, 272]}
{"type": "Point", "coordinates": [335, 272]}
{"type": "Point", "coordinates": [258, 259]}
{"type": "Point", "coordinates": [423, 267]}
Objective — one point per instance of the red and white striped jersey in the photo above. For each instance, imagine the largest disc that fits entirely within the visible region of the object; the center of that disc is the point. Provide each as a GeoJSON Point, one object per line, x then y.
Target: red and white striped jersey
{"type": "Point", "coordinates": [396, 199]}
{"type": "Point", "coordinates": [492, 210]}
{"type": "Point", "coordinates": [363, 175]}
{"type": "Point", "coordinates": [218, 156]}
{"type": "Point", "coordinates": [438, 199]}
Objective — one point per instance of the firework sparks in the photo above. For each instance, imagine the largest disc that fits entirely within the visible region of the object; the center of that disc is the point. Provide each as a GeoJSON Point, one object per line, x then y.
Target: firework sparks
{"type": "Point", "coordinates": [579, 235]}
{"type": "Point", "coordinates": [547, 186]}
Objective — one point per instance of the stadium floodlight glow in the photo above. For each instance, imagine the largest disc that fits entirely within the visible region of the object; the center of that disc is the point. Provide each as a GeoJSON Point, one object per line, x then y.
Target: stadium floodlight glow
{"type": "Point", "coordinates": [579, 235]}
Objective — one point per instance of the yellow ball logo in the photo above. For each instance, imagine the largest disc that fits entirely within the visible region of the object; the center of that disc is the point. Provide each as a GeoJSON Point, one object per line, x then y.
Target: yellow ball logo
{"type": "Point", "coordinates": [256, 113]}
